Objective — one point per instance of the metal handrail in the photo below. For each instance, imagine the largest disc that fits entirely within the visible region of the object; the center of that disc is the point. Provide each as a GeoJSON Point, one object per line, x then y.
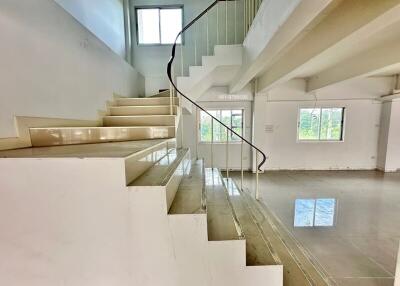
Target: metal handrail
{"type": "Point", "coordinates": [169, 72]}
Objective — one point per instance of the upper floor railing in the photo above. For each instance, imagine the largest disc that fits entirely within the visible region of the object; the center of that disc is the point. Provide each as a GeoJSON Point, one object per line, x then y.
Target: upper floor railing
{"type": "Point", "coordinates": [223, 33]}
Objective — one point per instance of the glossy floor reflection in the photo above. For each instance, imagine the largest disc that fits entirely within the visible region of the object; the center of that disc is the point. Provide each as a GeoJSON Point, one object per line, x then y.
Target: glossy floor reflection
{"type": "Point", "coordinates": [349, 221]}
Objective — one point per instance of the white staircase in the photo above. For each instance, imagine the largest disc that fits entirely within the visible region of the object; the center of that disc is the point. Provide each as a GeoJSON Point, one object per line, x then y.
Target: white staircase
{"type": "Point", "coordinates": [217, 70]}
{"type": "Point", "coordinates": [118, 213]}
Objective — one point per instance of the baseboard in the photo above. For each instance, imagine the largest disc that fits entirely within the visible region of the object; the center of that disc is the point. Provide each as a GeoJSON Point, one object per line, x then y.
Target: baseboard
{"type": "Point", "coordinates": [24, 123]}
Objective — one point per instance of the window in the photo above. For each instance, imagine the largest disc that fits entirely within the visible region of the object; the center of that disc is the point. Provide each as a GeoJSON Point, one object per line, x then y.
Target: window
{"type": "Point", "coordinates": [311, 212]}
{"type": "Point", "coordinates": [321, 124]}
{"type": "Point", "coordinates": [158, 25]}
{"type": "Point", "coordinates": [231, 118]}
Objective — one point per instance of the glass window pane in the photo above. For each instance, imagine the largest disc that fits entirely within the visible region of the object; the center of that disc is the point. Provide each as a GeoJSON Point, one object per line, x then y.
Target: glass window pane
{"type": "Point", "coordinates": [331, 124]}
{"type": "Point", "coordinates": [304, 212]}
{"type": "Point", "coordinates": [148, 26]}
{"type": "Point", "coordinates": [325, 212]}
{"type": "Point", "coordinates": [205, 127]}
{"type": "Point", "coordinates": [171, 25]}
{"type": "Point", "coordinates": [238, 130]}
{"type": "Point", "coordinates": [309, 123]}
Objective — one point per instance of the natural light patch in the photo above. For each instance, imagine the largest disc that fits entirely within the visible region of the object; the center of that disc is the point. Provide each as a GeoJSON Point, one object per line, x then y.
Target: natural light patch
{"type": "Point", "coordinates": [231, 118]}
{"type": "Point", "coordinates": [314, 212]}
{"type": "Point", "coordinates": [159, 25]}
{"type": "Point", "coordinates": [321, 124]}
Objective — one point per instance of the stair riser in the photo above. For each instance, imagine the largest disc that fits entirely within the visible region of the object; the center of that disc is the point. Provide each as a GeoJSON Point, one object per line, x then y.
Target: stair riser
{"type": "Point", "coordinates": [65, 136]}
{"type": "Point", "coordinates": [149, 101]}
{"type": "Point", "coordinates": [140, 121]}
{"type": "Point", "coordinates": [173, 183]}
{"type": "Point", "coordinates": [142, 110]}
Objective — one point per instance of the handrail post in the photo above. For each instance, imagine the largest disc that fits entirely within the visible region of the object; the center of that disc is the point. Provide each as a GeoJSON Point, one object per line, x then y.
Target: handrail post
{"type": "Point", "coordinates": [257, 173]}
{"type": "Point", "coordinates": [197, 126]}
{"type": "Point", "coordinates": [171, 94]}
{"type": "Point", "coordinates": [181, 117]}
{"type": "Point", "coordinates": [182, 57]}
{"type": "Point", "coordinates": [208, 40]}
{"type": "Point", "coordinates": [195, 45]}
{"type": "Point", "coordinates": [212, 142]}
{"type": "Point", "coordinates": [241, 165]}
{"type": "Point", "coordinates": [226, 22]}
{"type": "Point", "coordinates": [227, 153]}
{"type": "Point", "coordinates": [217, 25]}
{"type": "Point", "coordinates": [235, 21]}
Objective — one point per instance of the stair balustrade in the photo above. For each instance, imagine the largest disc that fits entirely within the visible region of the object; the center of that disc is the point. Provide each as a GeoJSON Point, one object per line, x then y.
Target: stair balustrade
{"type": "Point", "coordinates": [199, 37]}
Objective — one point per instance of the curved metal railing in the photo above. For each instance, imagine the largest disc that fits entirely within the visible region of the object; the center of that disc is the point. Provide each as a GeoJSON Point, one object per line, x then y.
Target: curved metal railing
{"type": "Point", "coordinates": [174, 85]}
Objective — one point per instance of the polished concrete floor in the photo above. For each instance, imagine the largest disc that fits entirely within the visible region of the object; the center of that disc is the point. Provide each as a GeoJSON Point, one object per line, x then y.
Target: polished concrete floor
{"type": "Point", "coordinates": [348, 221]}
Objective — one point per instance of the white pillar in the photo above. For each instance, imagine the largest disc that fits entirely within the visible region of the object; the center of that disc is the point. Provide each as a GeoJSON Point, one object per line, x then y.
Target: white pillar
{"type": "Point", "coordinates": [258, 132]}
{"type": "Point", "coordinates": [389, 137]}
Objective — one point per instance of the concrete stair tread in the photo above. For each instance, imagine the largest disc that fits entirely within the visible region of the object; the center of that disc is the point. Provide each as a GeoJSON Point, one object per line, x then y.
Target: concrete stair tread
{"type": "Point", "coordinates": [97, 150]}
{"type": "Point", "coordinates": [188, 198]}
{"type": "Point", "coordinates": [258, 249]}
{"type": "Point", "coordinates": [220, 217]}
{"type": "Point", "coordinates": [139, 120]}
{"type": "Point", "coordinates": [159, 173]}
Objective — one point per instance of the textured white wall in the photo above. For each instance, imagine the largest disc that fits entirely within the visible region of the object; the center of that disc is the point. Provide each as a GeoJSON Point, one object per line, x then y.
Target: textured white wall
{"type": "Point", "coordinates": [104, 18]}
{"type": "Point", "coordinates": [51, 66]}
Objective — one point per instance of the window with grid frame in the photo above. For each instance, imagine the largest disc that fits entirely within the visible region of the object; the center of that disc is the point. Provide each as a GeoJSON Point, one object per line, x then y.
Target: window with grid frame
{"type": "Point", "coordinates": [158, 25]}
{"type": "Point", "coordinates": [233, 118]}
{"type": "Point", "coordinates": [321, 124]}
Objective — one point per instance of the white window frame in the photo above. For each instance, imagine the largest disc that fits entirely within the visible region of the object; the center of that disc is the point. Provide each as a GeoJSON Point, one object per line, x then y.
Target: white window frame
{"type": "Point", "coordinates": [215, 122]}
{"type": "Point", "coordinates": [160, 7]}
{"type": "Point", "coordinates": [344, 113]}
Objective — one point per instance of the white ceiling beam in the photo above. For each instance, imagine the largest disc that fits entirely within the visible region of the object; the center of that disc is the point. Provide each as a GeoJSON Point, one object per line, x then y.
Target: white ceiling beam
{"type": "Point", "coordinates": [345, 25]}
{"type": "Point", "coordinates": [367, 63]}
{"type": "Point", "coordinates": [297, 23]}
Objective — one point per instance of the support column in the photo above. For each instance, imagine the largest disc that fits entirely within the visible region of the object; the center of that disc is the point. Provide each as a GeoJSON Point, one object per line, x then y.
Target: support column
{"type": "Point", "coordinates": [389, 137]}
{"type": "Point", "coordinates": [258, 130]}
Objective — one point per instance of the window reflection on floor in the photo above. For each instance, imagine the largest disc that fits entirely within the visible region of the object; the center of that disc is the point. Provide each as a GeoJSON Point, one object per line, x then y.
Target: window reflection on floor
{"type": "Point", "coordinates": [212, 177]}
{"type": "Point", "coordinates": [231, 187]}
{"type": "Point", "coordinates": [314, 212]}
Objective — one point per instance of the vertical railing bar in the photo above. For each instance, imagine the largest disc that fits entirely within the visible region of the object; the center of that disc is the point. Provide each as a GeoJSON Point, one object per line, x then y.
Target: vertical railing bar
{"type": "Point", "coordinates": [171, 94]}
{"type": "Point", "coordinates": [227, 153]}
{"type": "Point", "coordinates": [244, 19]}
{"type": "Point", "coordinates": [181, 116]}
{"type": "Point", "coordinates": [226, 22]}
{"type": "Point", "coordinates": [257, 173]}
{"type": "Point", "coordinates": [195, 44]}
{"type": "Point", "coordinates": [217, 24]}
{"type": "Point", "coordinates": [197, 123]}
{"type": "Point", "coordinates": [241, 165]}
{"type": "Point", "coordinates": [235, 22]}
{"type": "Point", "coordinates": [212, 142]}
{"type": "Point", "coordinates": [208, 40]}
{"type": "Point", "coordinates": [182, 57]}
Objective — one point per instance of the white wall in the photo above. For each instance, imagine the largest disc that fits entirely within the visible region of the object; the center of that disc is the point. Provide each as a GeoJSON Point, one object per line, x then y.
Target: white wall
{"type": "Point", "coordinates": [152, 61]}
{"type": "Point", "coordinates": [104, 18]}
{"type": "Point", "coordinates": [51, 66]}
{"type": "Point", "coordinates": [362, 119]}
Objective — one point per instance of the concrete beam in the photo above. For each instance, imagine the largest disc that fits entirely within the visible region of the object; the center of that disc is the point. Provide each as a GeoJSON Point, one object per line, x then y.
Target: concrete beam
{"type": "Point", "coordinates": [349, 22]}
{"type": "Point", "coordinates": [363, 64]}
{"type": "Point", "coordinates": [265, 42]}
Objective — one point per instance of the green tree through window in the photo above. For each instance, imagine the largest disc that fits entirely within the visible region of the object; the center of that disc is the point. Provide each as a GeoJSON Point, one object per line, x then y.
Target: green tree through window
{"type": "Point", "coordinates": [233, 118]}
{"type": "Point", "coordinates": [321, 124]}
